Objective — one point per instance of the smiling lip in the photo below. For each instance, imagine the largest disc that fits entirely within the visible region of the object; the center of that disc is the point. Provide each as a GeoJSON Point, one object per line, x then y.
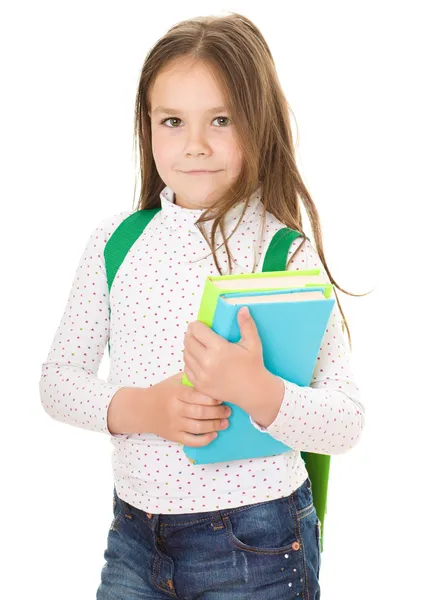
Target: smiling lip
{"type": "Point", "coordinates": [199, 172]}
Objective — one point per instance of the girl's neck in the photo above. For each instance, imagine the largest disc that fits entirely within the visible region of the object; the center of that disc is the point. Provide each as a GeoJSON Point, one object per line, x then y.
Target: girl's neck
{"type": "Point", "coordinates": [182, 205]}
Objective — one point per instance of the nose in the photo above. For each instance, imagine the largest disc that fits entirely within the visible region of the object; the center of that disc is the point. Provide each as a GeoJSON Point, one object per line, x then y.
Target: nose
{"type": "Point", "coordinates": [196, 153]}
{"type": "Point", "coordinates": [197, 145]}
{"type": "Point", "coordinates": [190, 151]}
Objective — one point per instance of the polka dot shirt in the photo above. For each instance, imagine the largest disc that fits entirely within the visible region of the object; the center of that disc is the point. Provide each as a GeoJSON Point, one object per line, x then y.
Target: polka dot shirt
{"type": "Point", "coordinates": [156, 293]}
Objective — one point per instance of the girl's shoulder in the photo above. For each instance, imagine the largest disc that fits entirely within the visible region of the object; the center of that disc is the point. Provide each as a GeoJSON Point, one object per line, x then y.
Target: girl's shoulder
{"type": "Point", "coordinates": [109, 224]}
{"type": "Point", "coordinates": [105, 228]}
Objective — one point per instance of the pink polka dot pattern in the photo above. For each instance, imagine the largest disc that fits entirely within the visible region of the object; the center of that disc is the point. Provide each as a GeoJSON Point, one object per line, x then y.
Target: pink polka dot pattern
{"type": "Point", "coordinates": [154, 296]}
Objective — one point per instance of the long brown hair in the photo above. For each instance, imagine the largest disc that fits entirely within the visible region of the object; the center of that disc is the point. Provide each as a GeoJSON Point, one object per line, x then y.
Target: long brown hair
{"type": "Point", "coordinates": [240, 60]}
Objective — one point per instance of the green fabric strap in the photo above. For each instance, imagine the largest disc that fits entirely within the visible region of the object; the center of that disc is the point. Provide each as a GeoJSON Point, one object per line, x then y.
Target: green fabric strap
{"type": "Point", "coordinates": [116, 249]}
{"type": "Point", "coordinates": [121, 241]}
{"type": "Point", "coordinates": [277, 252]}
{"type": "Point", "coordinates": [123, 238]}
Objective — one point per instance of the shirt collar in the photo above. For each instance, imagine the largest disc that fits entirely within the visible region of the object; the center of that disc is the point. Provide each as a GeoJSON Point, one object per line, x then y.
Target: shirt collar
{"type": "Point", "coordinates": [184, 219]}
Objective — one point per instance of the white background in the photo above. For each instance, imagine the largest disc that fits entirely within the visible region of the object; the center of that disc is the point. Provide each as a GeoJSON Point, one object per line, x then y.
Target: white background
{"type": "Point", "coordinates": [356, 75]}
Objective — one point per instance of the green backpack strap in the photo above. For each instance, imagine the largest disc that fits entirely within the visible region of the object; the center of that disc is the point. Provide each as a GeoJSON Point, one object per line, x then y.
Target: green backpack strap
{"type": "Point", "coordinates": [122, 240]}
{"type": "Point", "coordinates": [317, 465]}
{"type": "Point", "coordinates": [277, 252]}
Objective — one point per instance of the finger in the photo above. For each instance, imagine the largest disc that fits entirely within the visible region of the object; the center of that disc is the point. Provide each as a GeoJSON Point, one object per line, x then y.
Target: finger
{"type": "Point", "coordinates": [205, 334]}
{"type": "Point", "coordinates": [194, 348]}
{"type": "Point", "coordinates": [197, 441]}
{"type": "Point", "coordinates": [191, 366]}
{"type": "Point", "coordinates": [191, 337]}
{"type": "Point", "coordinates": [190, 395]}
{"type": "Point", "coordinates": [203, 412]}
{"type": "Point", "coordinates": [206, 426]}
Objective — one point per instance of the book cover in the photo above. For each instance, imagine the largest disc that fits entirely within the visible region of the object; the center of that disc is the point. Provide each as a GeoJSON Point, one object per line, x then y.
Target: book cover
{"type": "Point", "coordinates": [291, 334]}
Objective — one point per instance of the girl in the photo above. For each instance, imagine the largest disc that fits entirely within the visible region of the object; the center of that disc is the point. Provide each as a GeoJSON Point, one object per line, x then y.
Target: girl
{"type": "Point", "coordinates": [217, 157]}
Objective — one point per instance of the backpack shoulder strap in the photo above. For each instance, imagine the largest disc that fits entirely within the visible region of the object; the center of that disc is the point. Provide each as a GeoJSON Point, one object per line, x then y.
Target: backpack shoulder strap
{"type": "Point", "coordinates": [123, 238]}
{"type": "Point", "coordinates": [277, 252]}
{"type": "Point", "coordinates": [317, 465]}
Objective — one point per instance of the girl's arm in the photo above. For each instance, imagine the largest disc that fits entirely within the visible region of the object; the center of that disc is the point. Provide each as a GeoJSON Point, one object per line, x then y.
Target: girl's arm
{"type": "Point", "coordinates": [327, 417]}
{"type": "Point", "coordinates": [70, 390]}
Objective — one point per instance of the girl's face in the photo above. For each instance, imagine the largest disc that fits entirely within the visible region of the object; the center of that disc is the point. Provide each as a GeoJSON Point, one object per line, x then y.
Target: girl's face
{"type": "Point", "coordinates": [192, 131]}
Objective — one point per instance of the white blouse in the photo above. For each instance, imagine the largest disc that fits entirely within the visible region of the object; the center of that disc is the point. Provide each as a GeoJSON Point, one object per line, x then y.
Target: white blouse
{"type": "Point", "coordinates": [156, 293]}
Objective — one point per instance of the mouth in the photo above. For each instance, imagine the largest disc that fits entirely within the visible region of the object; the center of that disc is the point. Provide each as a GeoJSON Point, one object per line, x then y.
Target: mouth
{"type": "Point", "coordinates": [200, 172]}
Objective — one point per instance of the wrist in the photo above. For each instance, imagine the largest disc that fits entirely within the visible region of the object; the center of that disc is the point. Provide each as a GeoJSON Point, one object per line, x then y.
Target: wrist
{"type": "Point", "coordinates": [150, 415]}
{"type": "Point", "coordinates": [130, 411]}
{"type": "Point", "coordinates": [270, 393]}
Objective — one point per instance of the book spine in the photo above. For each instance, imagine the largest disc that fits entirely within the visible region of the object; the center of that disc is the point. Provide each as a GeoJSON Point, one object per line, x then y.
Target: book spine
{"type": "Point", "coordinates": [208, 304]}
{"type": "Point", "coordinates": [206, 311]}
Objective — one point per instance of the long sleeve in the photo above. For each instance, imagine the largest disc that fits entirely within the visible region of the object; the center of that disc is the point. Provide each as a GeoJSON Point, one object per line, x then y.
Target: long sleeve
{"type": "Point", "coordinates": [326, 417]}
{"type": "Point", "coordinates": [70, 390]}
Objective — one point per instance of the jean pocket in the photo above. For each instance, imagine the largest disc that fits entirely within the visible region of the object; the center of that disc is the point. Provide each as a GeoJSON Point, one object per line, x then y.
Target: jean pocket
{"type": "Point", "coordinates": [306, 511]}
{"type": "Point", "coordinates": [265, 537]}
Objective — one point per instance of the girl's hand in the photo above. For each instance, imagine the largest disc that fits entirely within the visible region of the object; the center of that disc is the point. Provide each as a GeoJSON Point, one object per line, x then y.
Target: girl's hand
{"type": "Point", "coordinates": [176, 412]}
{"type": "Point", "coordinates": [233, 372]}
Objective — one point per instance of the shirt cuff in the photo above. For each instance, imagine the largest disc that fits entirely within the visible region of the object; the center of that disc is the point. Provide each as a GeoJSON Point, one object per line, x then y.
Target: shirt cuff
{"type": "Point", "coordinates": [255, 424]}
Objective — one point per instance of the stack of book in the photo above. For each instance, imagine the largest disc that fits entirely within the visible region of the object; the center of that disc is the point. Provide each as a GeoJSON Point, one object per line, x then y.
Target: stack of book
{"type": "Point", "coordinates": [291, 310]}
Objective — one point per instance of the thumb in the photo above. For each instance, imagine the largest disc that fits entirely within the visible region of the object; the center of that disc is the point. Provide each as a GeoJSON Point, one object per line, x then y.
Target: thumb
{"type": "Point", "coordinates": [248, 329]}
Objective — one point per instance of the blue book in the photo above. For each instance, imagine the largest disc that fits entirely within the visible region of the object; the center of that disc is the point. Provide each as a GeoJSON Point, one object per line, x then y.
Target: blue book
{"type": "Point", "coordinates": [291, 326]}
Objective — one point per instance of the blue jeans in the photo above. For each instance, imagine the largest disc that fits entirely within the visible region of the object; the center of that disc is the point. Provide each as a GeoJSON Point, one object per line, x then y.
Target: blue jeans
{"type": "Point", "coordinates": [265, 551]}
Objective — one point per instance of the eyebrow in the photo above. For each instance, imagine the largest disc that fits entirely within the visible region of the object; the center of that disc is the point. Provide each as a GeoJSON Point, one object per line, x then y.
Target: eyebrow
{"type": "Point", "coordinates": [176, 111]}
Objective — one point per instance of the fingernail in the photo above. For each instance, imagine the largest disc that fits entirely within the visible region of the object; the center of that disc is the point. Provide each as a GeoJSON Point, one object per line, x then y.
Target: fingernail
{"type": "Point", "coordinates": [224, 423]}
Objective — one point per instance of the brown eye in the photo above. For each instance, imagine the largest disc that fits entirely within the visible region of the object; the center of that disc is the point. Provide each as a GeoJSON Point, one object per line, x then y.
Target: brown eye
{"type": "Point", "coordinates": [171, 119]}
{"type": "Point", "coordinates": [226, 118]}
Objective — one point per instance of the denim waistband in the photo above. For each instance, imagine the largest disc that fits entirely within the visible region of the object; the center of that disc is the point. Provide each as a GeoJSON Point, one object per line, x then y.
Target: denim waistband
{"type": "Point", "coordinates": [301, 498]}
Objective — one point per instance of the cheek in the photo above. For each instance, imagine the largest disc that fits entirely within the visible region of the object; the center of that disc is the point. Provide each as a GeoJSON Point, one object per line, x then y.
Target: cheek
{"type": "Point", "coordinates": [234, 158]}
{"type": "Point", "coordinates": [161, 151]}
{"type": "Point", "coordinates": [165, 157]}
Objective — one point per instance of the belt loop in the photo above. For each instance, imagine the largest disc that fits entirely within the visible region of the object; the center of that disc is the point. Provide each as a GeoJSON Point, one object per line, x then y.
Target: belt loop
{"type": "Point", "coordinates": [155, 524]}
{"type": "Point", "coordinates": [216, 518]}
